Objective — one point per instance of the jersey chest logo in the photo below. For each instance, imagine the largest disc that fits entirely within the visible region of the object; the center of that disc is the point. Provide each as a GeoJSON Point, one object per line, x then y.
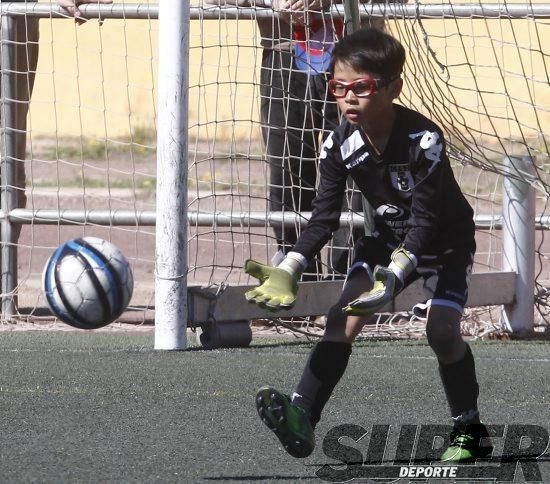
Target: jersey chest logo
{"type": "Point", "coordinates": [401, 178]}
{"type": "Point", "coordinates": [390, 212]}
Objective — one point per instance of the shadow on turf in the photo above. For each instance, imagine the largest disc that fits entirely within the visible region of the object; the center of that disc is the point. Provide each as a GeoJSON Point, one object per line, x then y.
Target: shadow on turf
{"type": "Point", "coordinates": [260, 478]}
{"type": "Point", "coordinates": [306, 344]}
{"type": "Point", "coordinates": [255, 346]}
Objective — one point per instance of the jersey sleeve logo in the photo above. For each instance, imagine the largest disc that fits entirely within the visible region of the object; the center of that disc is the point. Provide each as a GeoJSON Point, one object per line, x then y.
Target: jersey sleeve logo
{"type": "Point", "coordinates": [358, 160]}
{"type": "Point", "coordinates": [431, 143]}
{"type": "Point", "coordinates": [327, 145]}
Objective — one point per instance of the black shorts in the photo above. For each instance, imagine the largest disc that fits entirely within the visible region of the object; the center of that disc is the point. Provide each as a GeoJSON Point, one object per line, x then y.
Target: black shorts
{"type": "Point", "coordinates": [446, 275]}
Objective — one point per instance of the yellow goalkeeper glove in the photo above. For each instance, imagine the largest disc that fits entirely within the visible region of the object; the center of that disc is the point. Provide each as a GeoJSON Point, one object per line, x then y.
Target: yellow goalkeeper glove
{"type": "Point", "coordinates": [278, 285]}
{"type": "Point", "coordinates": [388, 281]}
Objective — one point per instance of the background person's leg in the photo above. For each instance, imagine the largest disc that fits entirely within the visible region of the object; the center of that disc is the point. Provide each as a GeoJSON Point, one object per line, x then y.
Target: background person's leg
{"type": "Point", "coordinates": [290, 141]}
{"type": "Point", "coordinates": [25, 50]}
{"type": "Point", "coordinates": [26, 59]}
{"type": "Point", "coordinates": [346, 236]}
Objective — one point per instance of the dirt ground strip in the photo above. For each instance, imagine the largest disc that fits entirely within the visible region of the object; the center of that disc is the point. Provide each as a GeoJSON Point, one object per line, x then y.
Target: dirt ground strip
{"type": "Point", "coordinates": [216, 254]}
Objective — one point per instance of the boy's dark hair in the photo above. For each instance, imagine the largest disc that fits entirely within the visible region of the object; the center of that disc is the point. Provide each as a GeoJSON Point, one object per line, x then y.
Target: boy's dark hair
{"type": "Point", "coordinates": [370, 50]}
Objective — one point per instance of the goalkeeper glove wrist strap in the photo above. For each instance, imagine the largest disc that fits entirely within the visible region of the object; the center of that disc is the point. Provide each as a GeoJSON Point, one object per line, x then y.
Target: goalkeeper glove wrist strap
{"type": "Point", "coordinates": [403, 263]}
{"type": "Point", "coordinates": [294, 263]}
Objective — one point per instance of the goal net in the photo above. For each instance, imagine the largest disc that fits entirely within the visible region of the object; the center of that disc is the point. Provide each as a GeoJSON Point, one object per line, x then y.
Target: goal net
{"type": "Point", "coordinates": [479, 70]}
{"type": "Point", "coordinates": [482, 73]}
{"type": "Point", "coordinates": [88, 167]}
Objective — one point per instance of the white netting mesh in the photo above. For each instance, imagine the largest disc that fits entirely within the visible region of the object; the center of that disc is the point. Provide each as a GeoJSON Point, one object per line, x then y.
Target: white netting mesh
{"type": "Point", "coordinates": [484, 80]}
{"type": "Point", "coordinates": [91, 132]}
{"type": "Point", "coordinates": [90, 144]}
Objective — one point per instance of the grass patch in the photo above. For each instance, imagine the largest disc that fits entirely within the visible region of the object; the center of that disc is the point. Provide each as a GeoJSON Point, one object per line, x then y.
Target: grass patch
{"type": "Point", "coordinates": [240, 188]}
{"type": "Point", "coordinates": [142, 143]}
{"type": "Point", "coordinates": [143, 184]}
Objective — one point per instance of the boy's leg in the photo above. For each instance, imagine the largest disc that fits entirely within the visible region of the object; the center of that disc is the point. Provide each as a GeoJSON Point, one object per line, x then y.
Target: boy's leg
{"type": "Point", "coordinates": [328, 359]}
{"type": "Point", "coordinates": [469, 439]}
{"type": "Point", "coordinates": [293, 420]}
{"type": "Point", "coordinates": [456, 362]}
{"type": "Point", "coordinates": [458, 376]}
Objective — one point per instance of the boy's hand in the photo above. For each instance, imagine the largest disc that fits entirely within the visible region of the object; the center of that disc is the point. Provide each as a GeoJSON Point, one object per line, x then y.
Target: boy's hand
{"type": "Point", "coordinates": [368, 303]}
{"type": "Point", "coordinates": [388, 281]}
{"type": "Point", "coordinates": [277, 290]}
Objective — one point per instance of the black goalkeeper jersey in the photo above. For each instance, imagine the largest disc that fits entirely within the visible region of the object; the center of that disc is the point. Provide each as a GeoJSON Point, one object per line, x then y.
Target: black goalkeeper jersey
{"type": "Point", "coordinates": [410, 186]}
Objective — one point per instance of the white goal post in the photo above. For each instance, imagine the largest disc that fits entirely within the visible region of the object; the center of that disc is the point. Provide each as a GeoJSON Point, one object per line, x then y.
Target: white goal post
{"type": "Point", "coordinates": [172, 162]}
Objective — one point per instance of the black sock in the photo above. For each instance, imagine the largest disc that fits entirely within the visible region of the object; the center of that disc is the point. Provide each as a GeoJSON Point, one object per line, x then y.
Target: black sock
{"type": "Point", "coordinates": [325, 366]}
{"type": "Point", "coordinates": [460, 385]}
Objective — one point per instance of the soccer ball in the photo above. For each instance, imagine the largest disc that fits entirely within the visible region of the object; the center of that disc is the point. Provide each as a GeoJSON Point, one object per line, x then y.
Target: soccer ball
{"type": "Point", "coordinates": [87, 282]}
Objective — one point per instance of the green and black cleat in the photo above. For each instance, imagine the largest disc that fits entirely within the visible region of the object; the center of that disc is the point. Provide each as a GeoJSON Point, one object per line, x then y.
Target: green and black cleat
{"type": "Point", "coordinates": [290, 423]}
{"type": "Point", "coordinates": [468, 443]}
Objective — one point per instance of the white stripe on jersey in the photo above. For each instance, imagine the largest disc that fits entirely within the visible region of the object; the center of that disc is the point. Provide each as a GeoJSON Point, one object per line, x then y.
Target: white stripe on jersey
{"type": "Point", "coordinates": [351, 144]}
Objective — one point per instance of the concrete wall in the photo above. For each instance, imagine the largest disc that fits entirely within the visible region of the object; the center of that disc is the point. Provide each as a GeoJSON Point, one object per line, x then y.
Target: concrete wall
{"type": "Point", "coordinates": [99, 81]}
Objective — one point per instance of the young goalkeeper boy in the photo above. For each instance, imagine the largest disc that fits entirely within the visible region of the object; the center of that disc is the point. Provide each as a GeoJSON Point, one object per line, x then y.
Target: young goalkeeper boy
{"type": "Point", "coordinates": [423, 227]}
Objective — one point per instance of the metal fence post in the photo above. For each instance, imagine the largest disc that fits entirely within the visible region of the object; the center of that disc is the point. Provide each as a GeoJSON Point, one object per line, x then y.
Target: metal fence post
{"type": "Point", "coordinates": [518, 241]}
{"type": "Point", "coordinates": [171, 229]}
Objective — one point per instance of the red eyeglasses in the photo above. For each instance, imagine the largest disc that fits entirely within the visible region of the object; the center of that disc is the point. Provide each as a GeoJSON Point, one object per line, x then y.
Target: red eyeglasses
{"type": "Point", "coordinates": [361, 87]}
